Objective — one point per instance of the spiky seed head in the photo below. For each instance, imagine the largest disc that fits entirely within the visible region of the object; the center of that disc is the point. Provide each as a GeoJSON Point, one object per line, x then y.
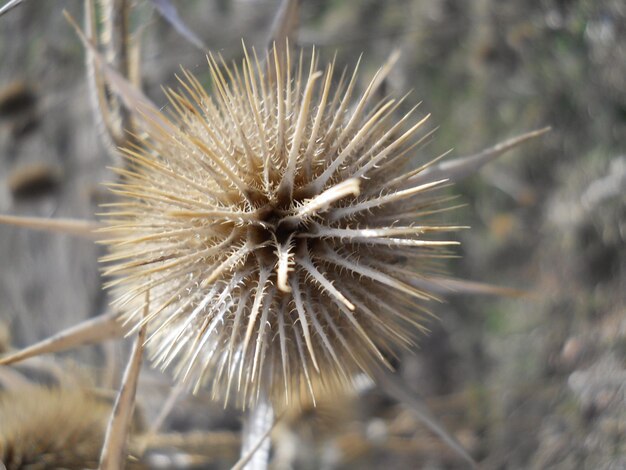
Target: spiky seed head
{"type": "Point", "coordinates": [42, 427]}
{"type": "Point", "coordinates": [277, 229]}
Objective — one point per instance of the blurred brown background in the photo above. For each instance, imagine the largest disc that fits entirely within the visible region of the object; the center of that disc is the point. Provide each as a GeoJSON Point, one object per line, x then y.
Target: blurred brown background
{"type": "Point", "coordinates": [537, 382]}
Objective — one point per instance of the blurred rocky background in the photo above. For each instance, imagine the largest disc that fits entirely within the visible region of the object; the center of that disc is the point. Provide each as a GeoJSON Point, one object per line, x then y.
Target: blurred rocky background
{"type": "Point", "coordinates": [531, 382]}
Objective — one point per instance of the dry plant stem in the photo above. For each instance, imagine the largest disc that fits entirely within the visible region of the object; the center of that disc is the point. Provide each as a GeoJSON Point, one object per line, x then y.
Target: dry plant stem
{"type": "Point", "coordinates": [56, 372]}
{"type": "Point", "coordinates": [8, 6]}
{"type": "Point", "coordinates": [79, 228]}
{"type": "Point", "coordinates": [113, 117]}
{"type": "Point", "coordinates": [257, 427]}
{"type": "Point", "coordinates": [96, 87]}
{"type": "Point", "coordinates": [450, 286]}
{"type": "Point", "coordinates": [115, 39]}
{"type": "Point", "coordinates": [282, 37]}
{"type": "Point", "coordinates": [132, 97]}
{"type": "Point", "coordinates": [115, 33]}
{"type": "Point", "coordinates": [169, 13]}
{"type": "Point", "coordinates": [114, 448]}
{"type": "Point", "coordinates": [285, 25]}
{"type": "Point", "coordinates": [213, 444]}
{"type": "Point", "coordinates": [462, 167]}
{"type": "Point", "coordinates": [90, 331]}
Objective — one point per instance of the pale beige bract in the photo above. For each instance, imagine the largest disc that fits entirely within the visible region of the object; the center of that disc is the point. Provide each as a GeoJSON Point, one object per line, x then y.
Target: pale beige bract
{"type": "Point", "coordinates": [277, 225]}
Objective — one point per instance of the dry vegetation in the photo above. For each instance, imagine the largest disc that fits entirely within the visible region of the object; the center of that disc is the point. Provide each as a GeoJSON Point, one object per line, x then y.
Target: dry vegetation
{"type": "Point", "coordinates": [536, 382]}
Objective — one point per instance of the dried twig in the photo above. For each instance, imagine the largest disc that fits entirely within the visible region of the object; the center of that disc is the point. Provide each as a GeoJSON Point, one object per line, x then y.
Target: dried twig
{"type": "Point", "coordinates": [113, 450]}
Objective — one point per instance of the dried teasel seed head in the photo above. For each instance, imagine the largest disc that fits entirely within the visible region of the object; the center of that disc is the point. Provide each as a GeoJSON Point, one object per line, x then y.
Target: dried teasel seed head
{"type": "Point", "coordinates": [42, 427]}
{"type": "Point", "coordinates": [282, 239]}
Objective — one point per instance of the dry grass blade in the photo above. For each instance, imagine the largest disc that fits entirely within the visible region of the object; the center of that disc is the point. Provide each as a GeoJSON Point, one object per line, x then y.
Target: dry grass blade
{"type": "Point", "coordinates": [462, 167]}
{"type": "Point", "coordinates": [450, 286]}
{"type": "Point", "coordinates": [91, 331]}
{"type": "Point", "coordinates": [462, 286]}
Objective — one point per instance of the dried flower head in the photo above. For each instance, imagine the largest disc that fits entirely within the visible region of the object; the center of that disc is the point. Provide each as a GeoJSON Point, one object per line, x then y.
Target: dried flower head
{"type": "Point", "coordinates": [45, 427]}
{"type": "Point", "coordinates": [276, 229]}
